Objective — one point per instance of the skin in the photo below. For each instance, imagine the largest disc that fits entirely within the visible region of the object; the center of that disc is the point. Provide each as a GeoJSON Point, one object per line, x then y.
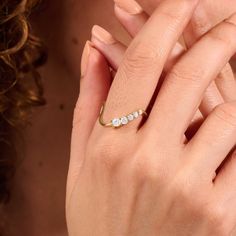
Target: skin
{"type": "Point", "coordinates": [222, 89]}
{"type": "Point", "coordinates": [208, 14]}
{"type": "Point", "coordinates": [37, 179]}
{"type": "Point", "coordinates": [141, 180]}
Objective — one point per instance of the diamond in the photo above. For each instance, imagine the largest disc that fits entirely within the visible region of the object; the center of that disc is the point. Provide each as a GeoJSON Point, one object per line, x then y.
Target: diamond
{"type": "Point", "coordinates": [116, 122]}
{"type": "Point", "coordinates": [124, 120]}
{"type": "Point", "coordinates": [136, 115]}
{"type": "Point", "coordinates": [140, 112]}
{"type": "Point", "coordinates": [130, 117]}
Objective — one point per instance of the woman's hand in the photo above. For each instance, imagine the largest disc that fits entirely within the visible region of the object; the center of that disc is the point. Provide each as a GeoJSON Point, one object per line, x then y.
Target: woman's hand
{"type": "Point", "coordinates": [207, 15]}
{"type": "Point", "coordinates": [222, 89]}
{"type": "Point", "coordinates": [143, 179]}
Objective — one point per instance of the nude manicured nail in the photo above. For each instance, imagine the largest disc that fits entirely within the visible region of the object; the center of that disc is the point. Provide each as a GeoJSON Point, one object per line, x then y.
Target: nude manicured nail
{"type": "Point", "coordinates": [85, 58]}
{"type": "Point", "coordinates": [102, 35]}
{"type": "Point", "coordinates": [130, 6]}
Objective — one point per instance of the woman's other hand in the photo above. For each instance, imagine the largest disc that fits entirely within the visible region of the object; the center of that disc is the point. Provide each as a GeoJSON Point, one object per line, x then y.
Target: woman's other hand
{"type": "Point", "coordinates": [207, 15]}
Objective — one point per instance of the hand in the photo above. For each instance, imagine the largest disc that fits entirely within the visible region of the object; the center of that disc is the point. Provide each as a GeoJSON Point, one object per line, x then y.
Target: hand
{"type": "Point", "coordinates": [222, 89]}
{"type": "Point", "coordinates": [207, 15]}
{"type": "Point", "coordinates": [140, 179]}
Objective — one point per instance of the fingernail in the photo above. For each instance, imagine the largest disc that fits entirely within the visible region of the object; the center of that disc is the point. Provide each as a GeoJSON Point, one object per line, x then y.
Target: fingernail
{"type": "Point", "coordinates": [102, 35]}
{"type": "Point", "coordinates": [130, 6]}
{"type": "Point", "coordinates": [85, 58]}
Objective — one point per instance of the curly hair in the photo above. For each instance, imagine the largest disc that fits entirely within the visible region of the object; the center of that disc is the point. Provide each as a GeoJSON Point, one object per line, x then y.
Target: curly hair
{"type": "Point", "coordinates": [21, 53]}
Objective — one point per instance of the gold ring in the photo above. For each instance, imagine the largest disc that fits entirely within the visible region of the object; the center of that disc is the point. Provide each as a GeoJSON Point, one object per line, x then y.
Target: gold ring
{"type": "Point", "coordinates": [124, 120]}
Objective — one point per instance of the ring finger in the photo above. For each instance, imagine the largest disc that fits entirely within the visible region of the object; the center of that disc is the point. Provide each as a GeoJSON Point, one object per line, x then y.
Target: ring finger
{"type": "Point", "coordinates": [137, 76]}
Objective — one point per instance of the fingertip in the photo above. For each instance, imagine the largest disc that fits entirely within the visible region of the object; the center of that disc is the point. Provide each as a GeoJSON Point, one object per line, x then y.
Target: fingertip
{"type": "Point", "coordinates": [130, 7]}
{"type": "Point", "coordinates": [102, 35]}
{"type": "Point", "coordinates": [91, 58]}
{"type": "Point", "coordinates": [131, 22]}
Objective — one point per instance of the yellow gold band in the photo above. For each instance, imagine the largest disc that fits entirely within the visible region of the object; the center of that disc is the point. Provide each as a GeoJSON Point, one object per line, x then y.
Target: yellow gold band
{"type": "Point", "coordinates": [119, 122]}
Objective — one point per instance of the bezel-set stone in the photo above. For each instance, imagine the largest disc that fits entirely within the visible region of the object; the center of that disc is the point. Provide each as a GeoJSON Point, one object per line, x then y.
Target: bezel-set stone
{"type": "Point", "coordinates": [124, 120]}
{"type": "Point", "coordinates": [136, 114]}
{"type": "Point", "coordinates": [116, 122]}
{"type": "Point", "coordinates": [140, 112]}
{"type": "Point", "coordinates": [130, 117]}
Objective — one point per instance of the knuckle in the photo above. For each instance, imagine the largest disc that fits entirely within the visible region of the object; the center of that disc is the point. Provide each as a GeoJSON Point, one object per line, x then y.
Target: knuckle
{"type": "Point", "coordinates": [106, 153]}
{"type": "Point", "coordinates": [110, 152]}
{"type": "Point", "coordinates": [181, 73]}
{"type": "Point", "coordinates": [147, 169]}
{"type": "Point", "coordinates": [226, 112]}
{"type": "Point", "coordinates": [147, 172]}
{"type": "Point", "coordinates": [139, 59]}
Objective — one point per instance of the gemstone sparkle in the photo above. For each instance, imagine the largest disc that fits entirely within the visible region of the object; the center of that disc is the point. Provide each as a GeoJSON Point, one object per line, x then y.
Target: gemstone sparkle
{"type": "Point", "coordinates": [130, 117]}
{"type": "Point", "coordinates": [124, 120]}
{"type": "Point", "coordinates": [136, 114]}
{"type": "Point", "coordinates": [116, 122]}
